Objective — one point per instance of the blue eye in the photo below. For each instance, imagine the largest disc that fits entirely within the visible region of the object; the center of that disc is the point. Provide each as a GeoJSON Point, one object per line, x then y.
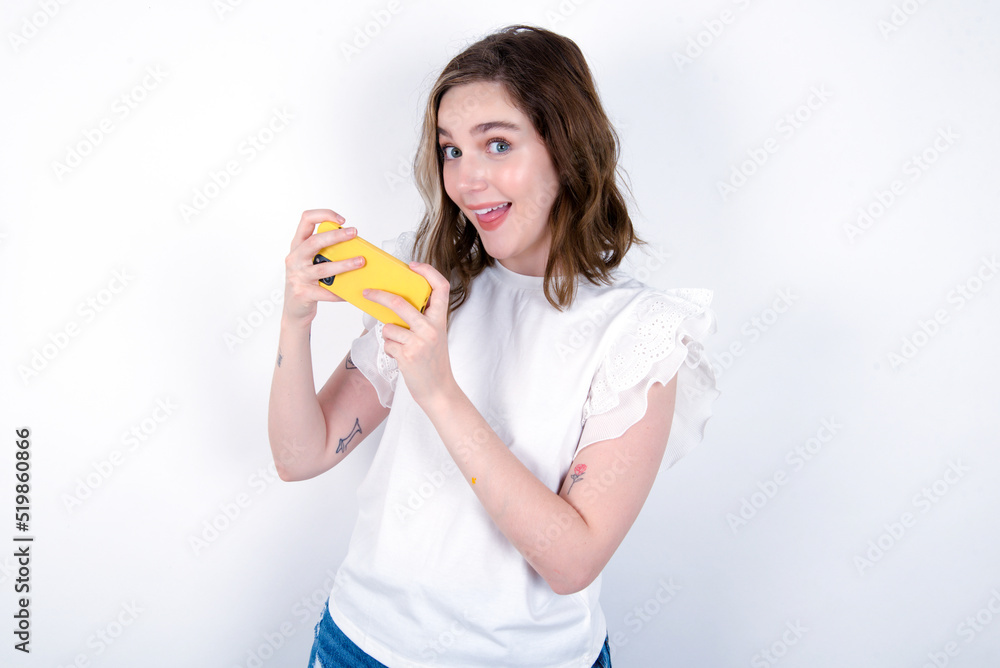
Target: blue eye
{"type": "Point", "coordinates": [502, 143]}
{"type": "Point", "coordinates": [450, 156]}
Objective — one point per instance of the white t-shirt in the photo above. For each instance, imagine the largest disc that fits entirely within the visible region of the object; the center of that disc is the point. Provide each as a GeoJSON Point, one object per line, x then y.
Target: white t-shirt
{"type": "Point", "coordinates": [429, 580]}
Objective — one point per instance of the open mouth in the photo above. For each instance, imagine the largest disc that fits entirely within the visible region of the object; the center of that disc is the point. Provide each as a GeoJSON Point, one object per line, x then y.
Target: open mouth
{"type": "Point", "coordinates": [492, 216]}
{"type": "Point", "coordinates": [483, 212]}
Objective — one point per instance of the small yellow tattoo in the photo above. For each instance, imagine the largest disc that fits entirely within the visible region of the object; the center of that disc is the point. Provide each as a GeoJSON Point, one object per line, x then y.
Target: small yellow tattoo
{"type": "Point", "coordinates": [473, 481]}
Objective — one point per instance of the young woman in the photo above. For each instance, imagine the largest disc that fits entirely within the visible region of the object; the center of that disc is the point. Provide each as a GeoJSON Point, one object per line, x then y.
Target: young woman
{"type": "Point", "coordinates": [528, 408]}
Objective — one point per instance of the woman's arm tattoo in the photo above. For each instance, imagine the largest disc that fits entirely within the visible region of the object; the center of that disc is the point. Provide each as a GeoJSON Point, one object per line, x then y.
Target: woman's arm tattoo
{"type": "Point", "coordinates": [577, 473]}
{"type": "Point", "coordinates": [345, 442]}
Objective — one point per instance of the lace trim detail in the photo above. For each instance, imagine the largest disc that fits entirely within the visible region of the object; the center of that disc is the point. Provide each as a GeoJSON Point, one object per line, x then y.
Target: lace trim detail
{"type": "Point", "coordinates": [387, 367]}
{"type": "Point", "coordinates": [368, 350]}
{"type": "Point", "coordinates": [402, 249]}
{"type": "Point", "coordinates": [650, 335]}
{"type": "Point", "coordinates": [402, 246]}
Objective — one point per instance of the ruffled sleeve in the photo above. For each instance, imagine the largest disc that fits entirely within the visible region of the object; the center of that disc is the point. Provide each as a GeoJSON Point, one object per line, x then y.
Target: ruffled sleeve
{"type": "Point", "coordinates": [368, 350]}
{"type": "Point", "coordinates": [660, 337]}
{"type": "Point", "coordinates": [368, 354]}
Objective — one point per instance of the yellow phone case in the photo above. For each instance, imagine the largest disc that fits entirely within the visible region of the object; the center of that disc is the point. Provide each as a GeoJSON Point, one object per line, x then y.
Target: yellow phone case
{"type": "Point", "coordinates": [381, 271]}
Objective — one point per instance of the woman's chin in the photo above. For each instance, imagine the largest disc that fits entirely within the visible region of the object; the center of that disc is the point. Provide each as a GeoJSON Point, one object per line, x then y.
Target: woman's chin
{"type": "Point", "coordinates": [495, 252]}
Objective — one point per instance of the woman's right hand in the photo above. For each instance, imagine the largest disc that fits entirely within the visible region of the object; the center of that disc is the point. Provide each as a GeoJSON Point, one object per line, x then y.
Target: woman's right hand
{"type": "Point", "coordinates": [302, 289]}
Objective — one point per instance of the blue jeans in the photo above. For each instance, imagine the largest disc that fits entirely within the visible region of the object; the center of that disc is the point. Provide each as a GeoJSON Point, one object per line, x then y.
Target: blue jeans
{"type": "Point", "coordinates": [335, 650]}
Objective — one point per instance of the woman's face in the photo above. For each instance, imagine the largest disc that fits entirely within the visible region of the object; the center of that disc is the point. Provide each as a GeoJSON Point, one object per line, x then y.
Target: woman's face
{"type": "Point", "coordinates": [494, 157]}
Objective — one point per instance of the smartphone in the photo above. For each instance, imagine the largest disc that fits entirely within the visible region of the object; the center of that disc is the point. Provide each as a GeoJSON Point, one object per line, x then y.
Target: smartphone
{"type": "Point", "coordinates": [381, 271]}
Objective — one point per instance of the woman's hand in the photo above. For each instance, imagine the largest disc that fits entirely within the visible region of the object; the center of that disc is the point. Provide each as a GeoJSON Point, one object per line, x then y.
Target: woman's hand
{"type": "Point", "coordinates": [421, 352]}
{"type": "Point", "coordinates": [302, 290]}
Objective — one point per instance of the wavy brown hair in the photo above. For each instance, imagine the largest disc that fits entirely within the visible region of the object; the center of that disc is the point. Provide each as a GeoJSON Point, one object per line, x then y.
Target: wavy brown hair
{"type": "Point", "coordinates": [547, 78]}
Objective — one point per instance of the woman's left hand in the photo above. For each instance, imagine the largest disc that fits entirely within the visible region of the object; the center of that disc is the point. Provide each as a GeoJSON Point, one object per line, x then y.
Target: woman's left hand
{"type": "Point", "coordinates": [421, 352]}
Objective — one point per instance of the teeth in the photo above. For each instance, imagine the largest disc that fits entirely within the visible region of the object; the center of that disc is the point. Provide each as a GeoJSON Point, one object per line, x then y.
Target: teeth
{"type": "Point", "coordinates": [484, 211]}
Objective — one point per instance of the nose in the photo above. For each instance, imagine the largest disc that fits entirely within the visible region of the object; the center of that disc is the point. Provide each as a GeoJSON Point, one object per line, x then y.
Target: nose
{"type": "Point", "coordinates": [472, 173]}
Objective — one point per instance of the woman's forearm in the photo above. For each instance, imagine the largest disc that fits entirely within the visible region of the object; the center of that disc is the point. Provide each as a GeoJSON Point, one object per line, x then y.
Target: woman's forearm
{"type": "Point", "coordinates": [296, 427]}
{"type": "Point", "coordinates": [543, 526]}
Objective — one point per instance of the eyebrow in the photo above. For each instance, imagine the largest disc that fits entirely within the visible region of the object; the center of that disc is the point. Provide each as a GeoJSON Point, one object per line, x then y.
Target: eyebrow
{"type": "Point", "coordinates": [486, 127]}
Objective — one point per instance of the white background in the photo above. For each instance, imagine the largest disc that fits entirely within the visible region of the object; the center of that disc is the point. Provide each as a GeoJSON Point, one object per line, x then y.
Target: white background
{"type": "Point", "coordinates": [189, 320]}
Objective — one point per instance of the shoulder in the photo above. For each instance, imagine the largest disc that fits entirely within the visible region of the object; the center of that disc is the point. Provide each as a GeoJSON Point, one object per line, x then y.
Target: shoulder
{"type": "Point", "coordinates": [647, 326]}
{"type": "Point", "coordinates": [628, 297]}
{"type": "Point", "coordinates": [656, 337]}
